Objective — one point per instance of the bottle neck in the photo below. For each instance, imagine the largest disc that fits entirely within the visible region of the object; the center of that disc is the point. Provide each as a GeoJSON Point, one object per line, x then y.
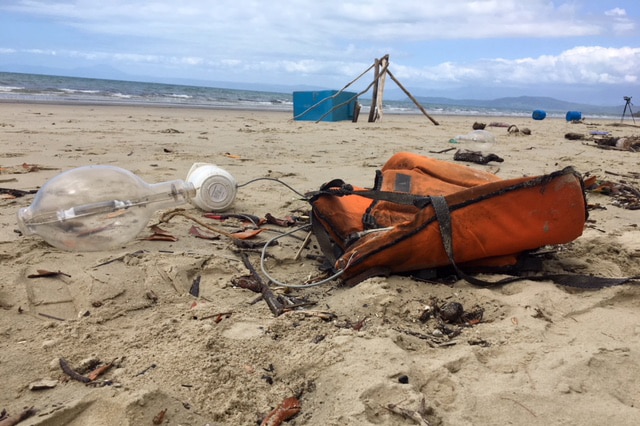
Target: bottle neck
{"type": "Point", "coordinates": [169, 194]}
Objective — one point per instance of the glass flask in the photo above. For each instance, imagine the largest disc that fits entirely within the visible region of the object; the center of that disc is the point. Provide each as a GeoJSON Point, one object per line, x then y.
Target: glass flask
{"type": "Point", "coordinates": [98, 207]}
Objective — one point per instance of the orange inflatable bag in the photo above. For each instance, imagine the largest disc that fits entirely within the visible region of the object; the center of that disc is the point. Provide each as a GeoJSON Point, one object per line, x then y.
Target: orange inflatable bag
{"type": "Point", "coordinates": [425, 214]}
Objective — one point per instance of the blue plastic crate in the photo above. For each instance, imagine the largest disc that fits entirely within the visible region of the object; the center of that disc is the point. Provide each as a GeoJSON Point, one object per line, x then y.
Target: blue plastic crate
{"type": "Point", "coordinates": [302, 101]}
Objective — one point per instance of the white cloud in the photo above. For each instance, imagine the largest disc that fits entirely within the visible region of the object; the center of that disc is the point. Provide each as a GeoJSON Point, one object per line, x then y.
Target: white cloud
{"type": "Point", "coordinates": [580, 65]}
{"type": "Point", "coordinates": [621, 24]}
{"type": "Point", "coordinates": [333, 41]}
{"type": "Point", "coordinates": [298, 24]}
{"type": "Point", "coordinates": [616, 12]}
{"type": "Point", "coordinates": [49, 52]}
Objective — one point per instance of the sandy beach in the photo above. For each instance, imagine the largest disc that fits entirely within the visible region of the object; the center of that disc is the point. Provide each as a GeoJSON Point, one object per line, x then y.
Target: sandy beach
{"type": "Point", "coordinates": [542, 354]}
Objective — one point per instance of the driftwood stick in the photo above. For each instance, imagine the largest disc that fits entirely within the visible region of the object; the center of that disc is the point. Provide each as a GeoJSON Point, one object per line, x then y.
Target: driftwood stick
{"type": "Point", "coordinates": [271, 300]}
{"type": "Point", "coordinates": [16, 192]}
{"type": "Point", "coordinates": [356, 112]}
{"type": "Point", "coordinates": [304, 244]}
{"type": "Point", "coordinates": [101, 370]}
{"type": "Point", "coordinates": [12, 421]}
{"type": "Point", "coordinates": [166, 217]}
{"type": "Point", "coordinates": [64, 365]}
{"type": "Point", "coordinates": [416, 416]}
{"type": "Point", "coordinates": [380, 95]}
{"type": "Point", "coordinates": [376, 75]}
{"type": "Point", "coordinates": [352, 98]}
{"type": "Point", "coordinates": [442, 151]}
{"type": "Point", "coordinates": [415, 101]}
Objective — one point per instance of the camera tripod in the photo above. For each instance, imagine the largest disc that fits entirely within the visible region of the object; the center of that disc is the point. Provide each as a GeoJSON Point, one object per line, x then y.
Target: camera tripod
{"type": "Point", "coordinates": [628, 105]}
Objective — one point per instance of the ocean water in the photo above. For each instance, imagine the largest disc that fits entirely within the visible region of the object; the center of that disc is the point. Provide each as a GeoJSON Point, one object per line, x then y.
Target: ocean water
{"type": "Point", "coordinates": [54, 89]}
{"type": "Point", "coordinates": [19, 87]}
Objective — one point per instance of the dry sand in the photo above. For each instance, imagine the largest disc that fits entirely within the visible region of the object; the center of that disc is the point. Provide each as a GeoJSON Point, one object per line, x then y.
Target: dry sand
{"type": "Point", "coordinates": [543, 355]}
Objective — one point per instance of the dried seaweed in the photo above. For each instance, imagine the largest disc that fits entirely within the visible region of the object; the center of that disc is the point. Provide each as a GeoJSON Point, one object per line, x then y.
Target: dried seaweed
{"type": "Point", "coordinates": [476, 157]}
{"type": "Point", "coordinates": [625, 196]}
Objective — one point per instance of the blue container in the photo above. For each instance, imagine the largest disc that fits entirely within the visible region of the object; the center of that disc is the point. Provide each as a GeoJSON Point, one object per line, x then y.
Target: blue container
{"type": "Point", "coordinates": [574, 116]}
{"type": "Point", "coordinates": [324, 102]}
{"type": "Point", "coordinates": [538, 114]}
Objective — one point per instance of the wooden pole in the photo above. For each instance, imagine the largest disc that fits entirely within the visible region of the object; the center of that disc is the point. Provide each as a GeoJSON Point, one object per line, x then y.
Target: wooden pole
{"type": "Point", "coordinates": [356, 112]}
{"type": "Point", "coordinates": [376, 74]}
{"type": "Point", "coordinates": [415, 101]}
{"type": "Point", "coordinates": [384, 62]}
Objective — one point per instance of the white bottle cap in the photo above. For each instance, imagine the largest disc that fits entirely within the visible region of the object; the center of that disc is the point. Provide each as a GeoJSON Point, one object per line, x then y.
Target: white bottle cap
{"type": "Point", "coordinates": [215, 187]}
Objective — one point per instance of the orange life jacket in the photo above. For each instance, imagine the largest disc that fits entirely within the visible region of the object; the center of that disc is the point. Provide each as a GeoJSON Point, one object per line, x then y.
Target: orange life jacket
{"type": "Point", "coordinates": [423, 213]}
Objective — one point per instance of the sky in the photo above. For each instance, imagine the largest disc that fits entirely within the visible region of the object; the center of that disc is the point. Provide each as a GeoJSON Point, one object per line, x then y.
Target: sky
{"type": "Point", "coordinates": [582, 51]}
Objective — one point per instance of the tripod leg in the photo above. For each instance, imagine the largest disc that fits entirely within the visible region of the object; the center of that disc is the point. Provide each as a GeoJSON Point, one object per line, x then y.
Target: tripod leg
{"type": "Point", "coordinates": [627, 105]}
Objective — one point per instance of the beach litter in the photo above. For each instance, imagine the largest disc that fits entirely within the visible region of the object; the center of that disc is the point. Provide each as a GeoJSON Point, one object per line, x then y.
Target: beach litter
{"type": "Point", "coordinates": [514, 130]}
{"type": "Point", "coordinates": [574, 117]}
{"type": "Point", "coordinates": [25, 168]}
{"type": "Point", "coordinates": [389, 247]}
{"type": "Point", "coordinates": [97, 207]}
{"type": "Point", "coordinates": [90, 371]}
{"type": "Point", "coordinates": [538, 114]}
{"type": "Point", "coordinates": [287, 409]}
{"type": "Point", "coordinates": [43, 273]}
{"type": "Point", "coordinates": [625, 143]}
{"type": "Point", "coordinates": [159, 418]}
{"type": "Point", "coordinates": [451, 312]}
{"type": "Point", "coordinates": [498, 124]}
{"type": "Point", "coordinates": [483, 136]}
{"type": "Point", "coordinates": [477, 157]}
{"type": "Point", "coordinates": [10, 194]}
{"type": "Point", "coordinates": [419, 417]}
{"type": "Point", "coordinates": [480, 140]}
{"type": "Point", "coordinates": [7, 420]}
{"type": "Point", "coordinates": [625, 196]}
{"type": "Point", "coordinates": [604, 140]}
{"type": "Point", "coordinates": [159, 234]}
{"type": "Point", "coordinates": [572, 136]}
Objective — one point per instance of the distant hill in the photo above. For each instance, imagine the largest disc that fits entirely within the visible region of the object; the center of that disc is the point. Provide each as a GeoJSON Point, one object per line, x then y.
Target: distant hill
{"type": "Point", "coordinates": [523, 103]}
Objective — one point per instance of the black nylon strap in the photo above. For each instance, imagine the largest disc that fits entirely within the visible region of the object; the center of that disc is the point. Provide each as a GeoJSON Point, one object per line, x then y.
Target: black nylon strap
{"type": "Point", "coordinates": [394, 197]}
{"type": "Point", "coordinates": [419, 201]}
{"type": "Point", "coordinates": [443, 215]}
